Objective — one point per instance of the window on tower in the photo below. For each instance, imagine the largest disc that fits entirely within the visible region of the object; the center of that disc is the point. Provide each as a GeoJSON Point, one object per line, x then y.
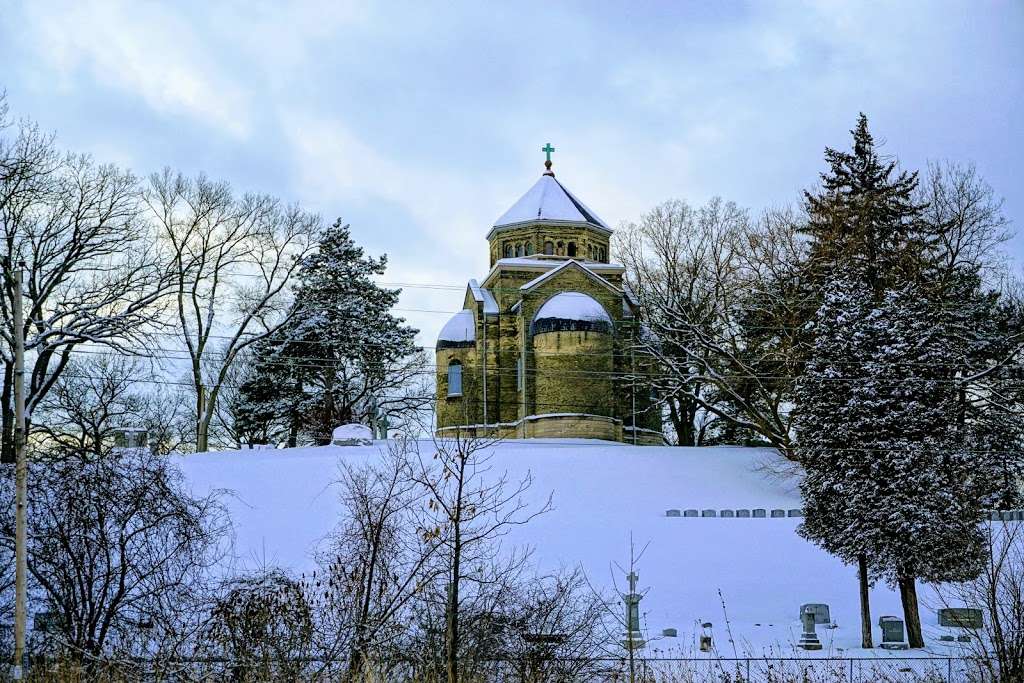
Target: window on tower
{"type": "Point", "coordinates": [455, 378]}
{"type": "Point", "coordinates": [560, 249]}
{"type": "Point", "coordinates": [519, 250]}
{"type": "Point", "coordinates": [572, 249]}
{"type": "Point", "coordinates": [549, 248]}
{"type": "Point", "coordinates": [529, 249]}
{"type": "Point", "coordinates": [507, 250]}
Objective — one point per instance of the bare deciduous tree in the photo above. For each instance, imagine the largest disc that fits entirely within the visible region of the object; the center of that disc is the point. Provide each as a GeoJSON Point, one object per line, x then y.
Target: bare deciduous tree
{"type": "Point", "coordinates": [377, 561]}
{"type": "Point", "coordinates": [232, 259]}
{"type": "Point", "coordinates": [93, 272]}
{"type": "Point", "coordinates": [118, 552]}
{"type": "Point", "coordinates": [470, 507]}
{"type": "Point", "coordinates": [699, 275]}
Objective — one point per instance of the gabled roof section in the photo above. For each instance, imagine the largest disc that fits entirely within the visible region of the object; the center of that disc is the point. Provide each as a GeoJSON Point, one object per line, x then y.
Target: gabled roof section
{"type": "Point", "coordinates": [549, 200]}
{"type": "Point", "coordinates": [483, 296]}
{"type": "Point", "coordinates": [567, 265]}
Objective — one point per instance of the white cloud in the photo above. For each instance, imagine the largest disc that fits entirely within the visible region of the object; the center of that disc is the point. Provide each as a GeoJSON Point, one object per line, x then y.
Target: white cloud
{"type": "Point", "coordinates": [141, 49]}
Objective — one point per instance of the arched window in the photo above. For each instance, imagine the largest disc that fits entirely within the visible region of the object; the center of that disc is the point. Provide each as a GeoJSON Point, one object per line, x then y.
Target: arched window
{"type": "Point", "coordinates": [572, 248]}
{"type": "Point", "coordinates": [519, 250]}
{"type": "Point", "coordinates": [455, 378]}
{"type": "Point", "coordinates": [601, 254]}
{"type": "Point", "coordinates": [590, 251]}
{"type": "Point", "coordinates": [528, 250]}
{"type": "Point", "coordinates": [560, 249]}
{"type": "Point", "coordinates": [507, 251]}
{"type": "Point", "coordinates": [549, 248]}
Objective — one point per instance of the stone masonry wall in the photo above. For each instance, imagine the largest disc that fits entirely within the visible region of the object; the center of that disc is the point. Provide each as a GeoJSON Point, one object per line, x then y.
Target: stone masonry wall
{"type": "Point", "coordinates": [535, 235]}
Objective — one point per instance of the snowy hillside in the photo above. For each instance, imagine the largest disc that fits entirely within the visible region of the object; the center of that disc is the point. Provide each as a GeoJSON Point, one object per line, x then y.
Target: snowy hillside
{"type": "Point", "coordinates": [283, 502]}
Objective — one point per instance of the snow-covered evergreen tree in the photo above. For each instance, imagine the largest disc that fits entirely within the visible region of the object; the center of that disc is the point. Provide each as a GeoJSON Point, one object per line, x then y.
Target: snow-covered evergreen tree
{"type": "Point", "coordinates": [902, 443]}
{"type": "Point", "coordinates": [890, 473]}
{"type": "Point", "coordinates": [342, 356]}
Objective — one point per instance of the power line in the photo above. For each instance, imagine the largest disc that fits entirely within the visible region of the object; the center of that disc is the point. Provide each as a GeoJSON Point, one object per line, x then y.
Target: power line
{"type": "Point", "coordinates": [430, 368]}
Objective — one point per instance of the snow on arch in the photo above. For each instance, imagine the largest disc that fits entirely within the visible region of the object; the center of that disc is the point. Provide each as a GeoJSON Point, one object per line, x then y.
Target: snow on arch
{"type": "Point", "coordinates": [571, 311]}
{"type": "Point", "coordinates": [460, 330]}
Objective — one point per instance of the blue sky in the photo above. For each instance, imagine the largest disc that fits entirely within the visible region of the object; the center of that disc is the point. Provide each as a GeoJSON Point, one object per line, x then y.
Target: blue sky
{"type": "Point", "coordinates": [421, 123]}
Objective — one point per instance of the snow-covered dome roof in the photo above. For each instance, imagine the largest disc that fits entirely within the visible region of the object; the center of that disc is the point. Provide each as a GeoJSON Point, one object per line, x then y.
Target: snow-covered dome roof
{"type": "Point", "coordinates": [549, 200]}
{"type": "Point", "coordinates": [571, 311]}
{"type": "Point", "coordinates": [460, 330]}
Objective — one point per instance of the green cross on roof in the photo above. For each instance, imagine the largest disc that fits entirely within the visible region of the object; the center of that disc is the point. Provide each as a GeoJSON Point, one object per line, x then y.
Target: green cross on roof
{"type": "Point", "coordinates": [548, 149]}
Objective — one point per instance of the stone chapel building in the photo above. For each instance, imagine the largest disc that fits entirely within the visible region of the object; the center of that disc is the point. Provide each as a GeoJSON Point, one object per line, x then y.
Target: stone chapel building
{"type": "Point", "coordinates": [544, 344]}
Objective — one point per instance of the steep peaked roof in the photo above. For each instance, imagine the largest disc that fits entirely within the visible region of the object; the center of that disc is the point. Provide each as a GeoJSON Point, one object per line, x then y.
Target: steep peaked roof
{"type": "Point", "coordinates": [567, 265]}
{"type": "Point", "coordinates": [549, 200]}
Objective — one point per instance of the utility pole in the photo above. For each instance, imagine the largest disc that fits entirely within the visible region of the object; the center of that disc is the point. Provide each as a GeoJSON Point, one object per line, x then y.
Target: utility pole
{"type": "Point", "coordinates": [21, 483]}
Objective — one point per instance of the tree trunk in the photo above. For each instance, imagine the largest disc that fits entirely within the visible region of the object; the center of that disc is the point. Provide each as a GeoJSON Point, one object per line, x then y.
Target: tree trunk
{"type": "Point", "coordinates": [452, 631]}
{"type": "Point", "coordinates": [908, 596]}
{"type": "Point", "coordinates": [866, 640]}
{"type": "Point", "coordinates": [202, 436]}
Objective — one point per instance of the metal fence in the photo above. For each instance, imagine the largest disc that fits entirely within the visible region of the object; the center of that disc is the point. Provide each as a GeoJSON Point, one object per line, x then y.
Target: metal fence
{"type": "Point", "coordinates": [881, 669]}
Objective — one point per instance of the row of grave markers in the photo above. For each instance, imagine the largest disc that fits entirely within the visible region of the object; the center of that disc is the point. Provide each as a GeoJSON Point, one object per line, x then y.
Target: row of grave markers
{"type": "Point", "coordinates": [756, 513]}
{"type": "Point", "coordinates": [761, 513]}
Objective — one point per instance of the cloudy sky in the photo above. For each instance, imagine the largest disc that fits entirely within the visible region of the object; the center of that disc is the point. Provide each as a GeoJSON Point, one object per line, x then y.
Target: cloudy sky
{"type": "Point", "coordinates": [421, 123]}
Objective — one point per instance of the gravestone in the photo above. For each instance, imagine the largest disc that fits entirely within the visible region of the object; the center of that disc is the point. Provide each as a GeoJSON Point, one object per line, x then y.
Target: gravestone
{"type": "Point", "coordinates": [690, 513]}
{"type": "Point", "coordinates": [743, 513]}
{"type": "Point", "coordinates": [708, 513]}
{"type": "Point", "coordinates": [726, 513]}
{"type": "Point", "coordinates": [706, 643]}
{"type": "Point", "coordinates": [778, 513]}
{"type": "Point", "coordinates": [892, 633]}
{"type": "Point", "coordinates": [809, 638]}
{"type": "Point", "coordinates": [760, 513]}
{"type": "Point", "coordinates": [795, 512]}
{"type": "Point", "coordinates": [819, 610]}
{"type": "Point", "coordinates": [962, 617]}
{"type": "Point", "coordinates": [672, 513]}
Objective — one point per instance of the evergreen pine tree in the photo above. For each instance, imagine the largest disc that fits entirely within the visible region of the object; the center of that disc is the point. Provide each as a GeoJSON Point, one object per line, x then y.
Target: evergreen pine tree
{"type": "Point", "coordinates": [343, 355]}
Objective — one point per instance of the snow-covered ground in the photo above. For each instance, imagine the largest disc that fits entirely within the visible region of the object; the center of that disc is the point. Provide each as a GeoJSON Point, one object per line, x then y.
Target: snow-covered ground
{"type": "Point", "coordinates": [284, 501]}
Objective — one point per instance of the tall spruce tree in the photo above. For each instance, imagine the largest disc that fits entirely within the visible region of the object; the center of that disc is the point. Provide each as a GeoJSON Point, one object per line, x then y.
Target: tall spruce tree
{"type": "Point", "coordinates": [891, 481]}
{"type": "Point", "coordinates": [899, 460]}
{"type": "Point", "coordinates": [343, 356]}
{"type": "Point", "coordinates": [865, 216]}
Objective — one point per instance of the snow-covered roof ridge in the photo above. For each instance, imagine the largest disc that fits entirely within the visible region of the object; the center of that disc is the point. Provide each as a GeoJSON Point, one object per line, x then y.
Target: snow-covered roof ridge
{"type": "Point", "coordinates": [549, 200]}
{"type": "Point", "coordinates": [484, 296]}
{"type": "Point", "coordinates": [571, 263]}
{"type": "Point", "coordinates": [458, 331]}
